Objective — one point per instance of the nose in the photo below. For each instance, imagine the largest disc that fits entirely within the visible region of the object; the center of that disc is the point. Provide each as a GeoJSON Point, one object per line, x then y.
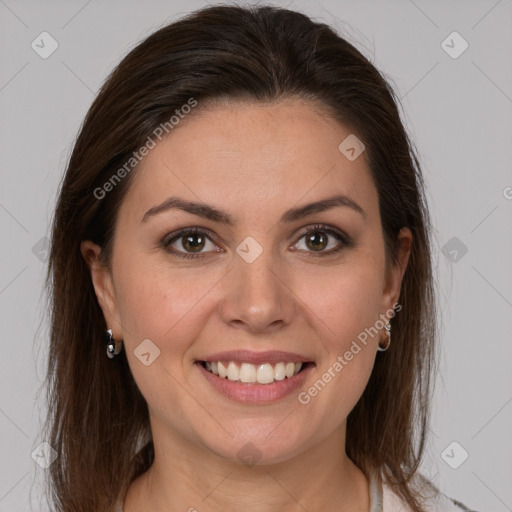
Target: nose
{"type": "Point", "coordinates": [257, 296]}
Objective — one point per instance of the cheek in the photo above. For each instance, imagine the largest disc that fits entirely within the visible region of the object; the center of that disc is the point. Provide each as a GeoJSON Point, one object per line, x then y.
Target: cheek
{"type": "Point", "coordinates": [161, 306]}
{"type": "Point", "coordinates": [346, 307]}
{"type": "Point", "coordinates": [345, 300]}
{"type": "Point", "coordinates": [162, 303]}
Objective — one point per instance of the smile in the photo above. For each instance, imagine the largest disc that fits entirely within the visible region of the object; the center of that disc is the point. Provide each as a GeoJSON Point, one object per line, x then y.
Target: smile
{"type": "Point", "coordinates": [254, 384]}
{"type": "Point", "coordinates": [265, 373]}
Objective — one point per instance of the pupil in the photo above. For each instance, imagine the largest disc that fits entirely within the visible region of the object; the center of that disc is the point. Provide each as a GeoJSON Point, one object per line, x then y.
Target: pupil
{"type": "Point", "coordinates": [317, 238]}
{"type": "Point", "coordinates": [191, 245]}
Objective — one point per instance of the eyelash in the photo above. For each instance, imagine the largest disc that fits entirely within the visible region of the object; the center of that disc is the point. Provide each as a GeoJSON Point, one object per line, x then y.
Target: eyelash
{"type": "Point", "coordinates": [340, 235]}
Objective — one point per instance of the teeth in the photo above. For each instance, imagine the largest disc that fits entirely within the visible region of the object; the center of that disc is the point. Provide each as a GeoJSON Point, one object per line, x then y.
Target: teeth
{"type": "Point", "coordinates": [233, 371]}
{"type": "Point", "coordinates": [289, 369]}
{"type": "Point", "coordinates": [263, 374]}
{"type": "Point", "coordinates": [279, 371]}
{"type": "Point", "coordinates": [222, 370]}
{"type": "Point", "coordinates": [247, 373]}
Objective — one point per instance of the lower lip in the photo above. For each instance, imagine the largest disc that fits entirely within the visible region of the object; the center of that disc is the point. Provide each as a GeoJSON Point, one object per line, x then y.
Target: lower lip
{"type": "Point", "coordinates": [249, 393]}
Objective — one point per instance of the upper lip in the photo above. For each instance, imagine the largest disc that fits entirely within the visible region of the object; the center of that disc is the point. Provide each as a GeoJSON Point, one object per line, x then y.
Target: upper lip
{"type": "Point", "coordinates": [248, 356]}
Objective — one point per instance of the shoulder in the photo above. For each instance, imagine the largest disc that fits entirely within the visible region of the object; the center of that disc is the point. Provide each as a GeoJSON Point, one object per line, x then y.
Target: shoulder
{"type": "Point", "coordinates": [435, 500]}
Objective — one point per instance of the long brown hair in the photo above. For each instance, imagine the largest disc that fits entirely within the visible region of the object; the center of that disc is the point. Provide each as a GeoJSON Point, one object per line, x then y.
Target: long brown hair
{"type": "Point", "coordinates": [98, 421]}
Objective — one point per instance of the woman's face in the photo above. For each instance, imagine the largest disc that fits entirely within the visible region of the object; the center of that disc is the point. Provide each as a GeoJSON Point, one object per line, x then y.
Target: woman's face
{"type": "Point", "coordinates": [257, 283]}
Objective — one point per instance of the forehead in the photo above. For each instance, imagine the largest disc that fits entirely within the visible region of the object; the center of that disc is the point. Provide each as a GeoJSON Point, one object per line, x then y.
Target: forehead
{"type": "Point", "coordinates": [252, 157]}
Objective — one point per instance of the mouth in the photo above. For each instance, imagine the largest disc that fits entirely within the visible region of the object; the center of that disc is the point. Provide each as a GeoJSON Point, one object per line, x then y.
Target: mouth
{"type": "Point", "coordinates": [255, 377]}
{"type": "Point", "coordinates": [255, 384]}
{"type": "Point", "coordinates": [248, 373]}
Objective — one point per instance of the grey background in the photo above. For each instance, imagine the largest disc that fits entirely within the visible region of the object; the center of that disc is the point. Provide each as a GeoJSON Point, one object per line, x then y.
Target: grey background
{"type": "Point", "coordinates": [459, 113]}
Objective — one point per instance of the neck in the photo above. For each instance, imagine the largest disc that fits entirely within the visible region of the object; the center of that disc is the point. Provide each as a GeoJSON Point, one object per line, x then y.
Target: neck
{"type": "Point", "coordinates": [187, 476]}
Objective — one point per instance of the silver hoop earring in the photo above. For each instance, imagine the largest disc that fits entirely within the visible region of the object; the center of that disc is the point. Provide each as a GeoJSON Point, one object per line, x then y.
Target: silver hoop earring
{"type": "Point", "coordinates": [112, 349]}
{"type": "Point", "coordinates": [388, 332]}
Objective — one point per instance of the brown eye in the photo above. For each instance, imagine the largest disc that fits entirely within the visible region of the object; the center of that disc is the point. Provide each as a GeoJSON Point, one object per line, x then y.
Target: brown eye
{"type": "Point", "coordinates": [193, 242]}
{"type": "Point", "coordinates": [316, 241]}
{"type": "Point", "coordinates": [189, 243]}
{"type": "Point", "coordinates": [319, 238]}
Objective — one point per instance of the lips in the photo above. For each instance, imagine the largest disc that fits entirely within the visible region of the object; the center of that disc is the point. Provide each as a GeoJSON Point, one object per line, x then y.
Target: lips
{"type": "Point", "coordinates": [255, 393]}
{"type": "Point", "coordinates": [255, 377]}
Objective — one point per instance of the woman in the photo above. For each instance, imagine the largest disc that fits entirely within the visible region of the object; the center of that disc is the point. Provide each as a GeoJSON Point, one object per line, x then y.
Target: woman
{"type": "Point", "coordinates": [243, 223]}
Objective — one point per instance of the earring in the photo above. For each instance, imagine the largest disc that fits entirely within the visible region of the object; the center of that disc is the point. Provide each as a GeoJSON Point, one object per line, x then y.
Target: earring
{"type": "Point", "coordinates": [110, 342]}
{"type": "Point", "coordinates": [388, 332]}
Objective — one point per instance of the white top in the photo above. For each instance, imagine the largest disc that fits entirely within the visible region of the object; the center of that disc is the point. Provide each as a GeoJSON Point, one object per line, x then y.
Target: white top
{"type": "Point", "coordinates": [383, 499]}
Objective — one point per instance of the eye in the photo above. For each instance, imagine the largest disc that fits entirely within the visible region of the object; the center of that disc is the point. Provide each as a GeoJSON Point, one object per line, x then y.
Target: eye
{"type": "Point", "coordinates": [189, 243]}
{"type": "Point", "coordinates": [319, 237]}
{"type": "Point", "coordinates": [193, 242]}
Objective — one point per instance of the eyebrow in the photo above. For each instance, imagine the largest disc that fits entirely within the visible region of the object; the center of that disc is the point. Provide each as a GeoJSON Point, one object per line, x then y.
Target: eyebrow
{"type": "Point", "coordinates": [217, 215]}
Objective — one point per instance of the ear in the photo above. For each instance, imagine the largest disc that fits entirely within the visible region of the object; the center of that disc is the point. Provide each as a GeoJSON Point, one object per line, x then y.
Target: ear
{"type": "Point", "coordinates": [103, 286]}
{"type": "Point", "coordinates": [396, 271]}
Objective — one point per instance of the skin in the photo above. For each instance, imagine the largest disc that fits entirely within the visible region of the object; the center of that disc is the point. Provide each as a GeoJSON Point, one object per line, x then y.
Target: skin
{"type": "Point", "coordinates": [254, 161]}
